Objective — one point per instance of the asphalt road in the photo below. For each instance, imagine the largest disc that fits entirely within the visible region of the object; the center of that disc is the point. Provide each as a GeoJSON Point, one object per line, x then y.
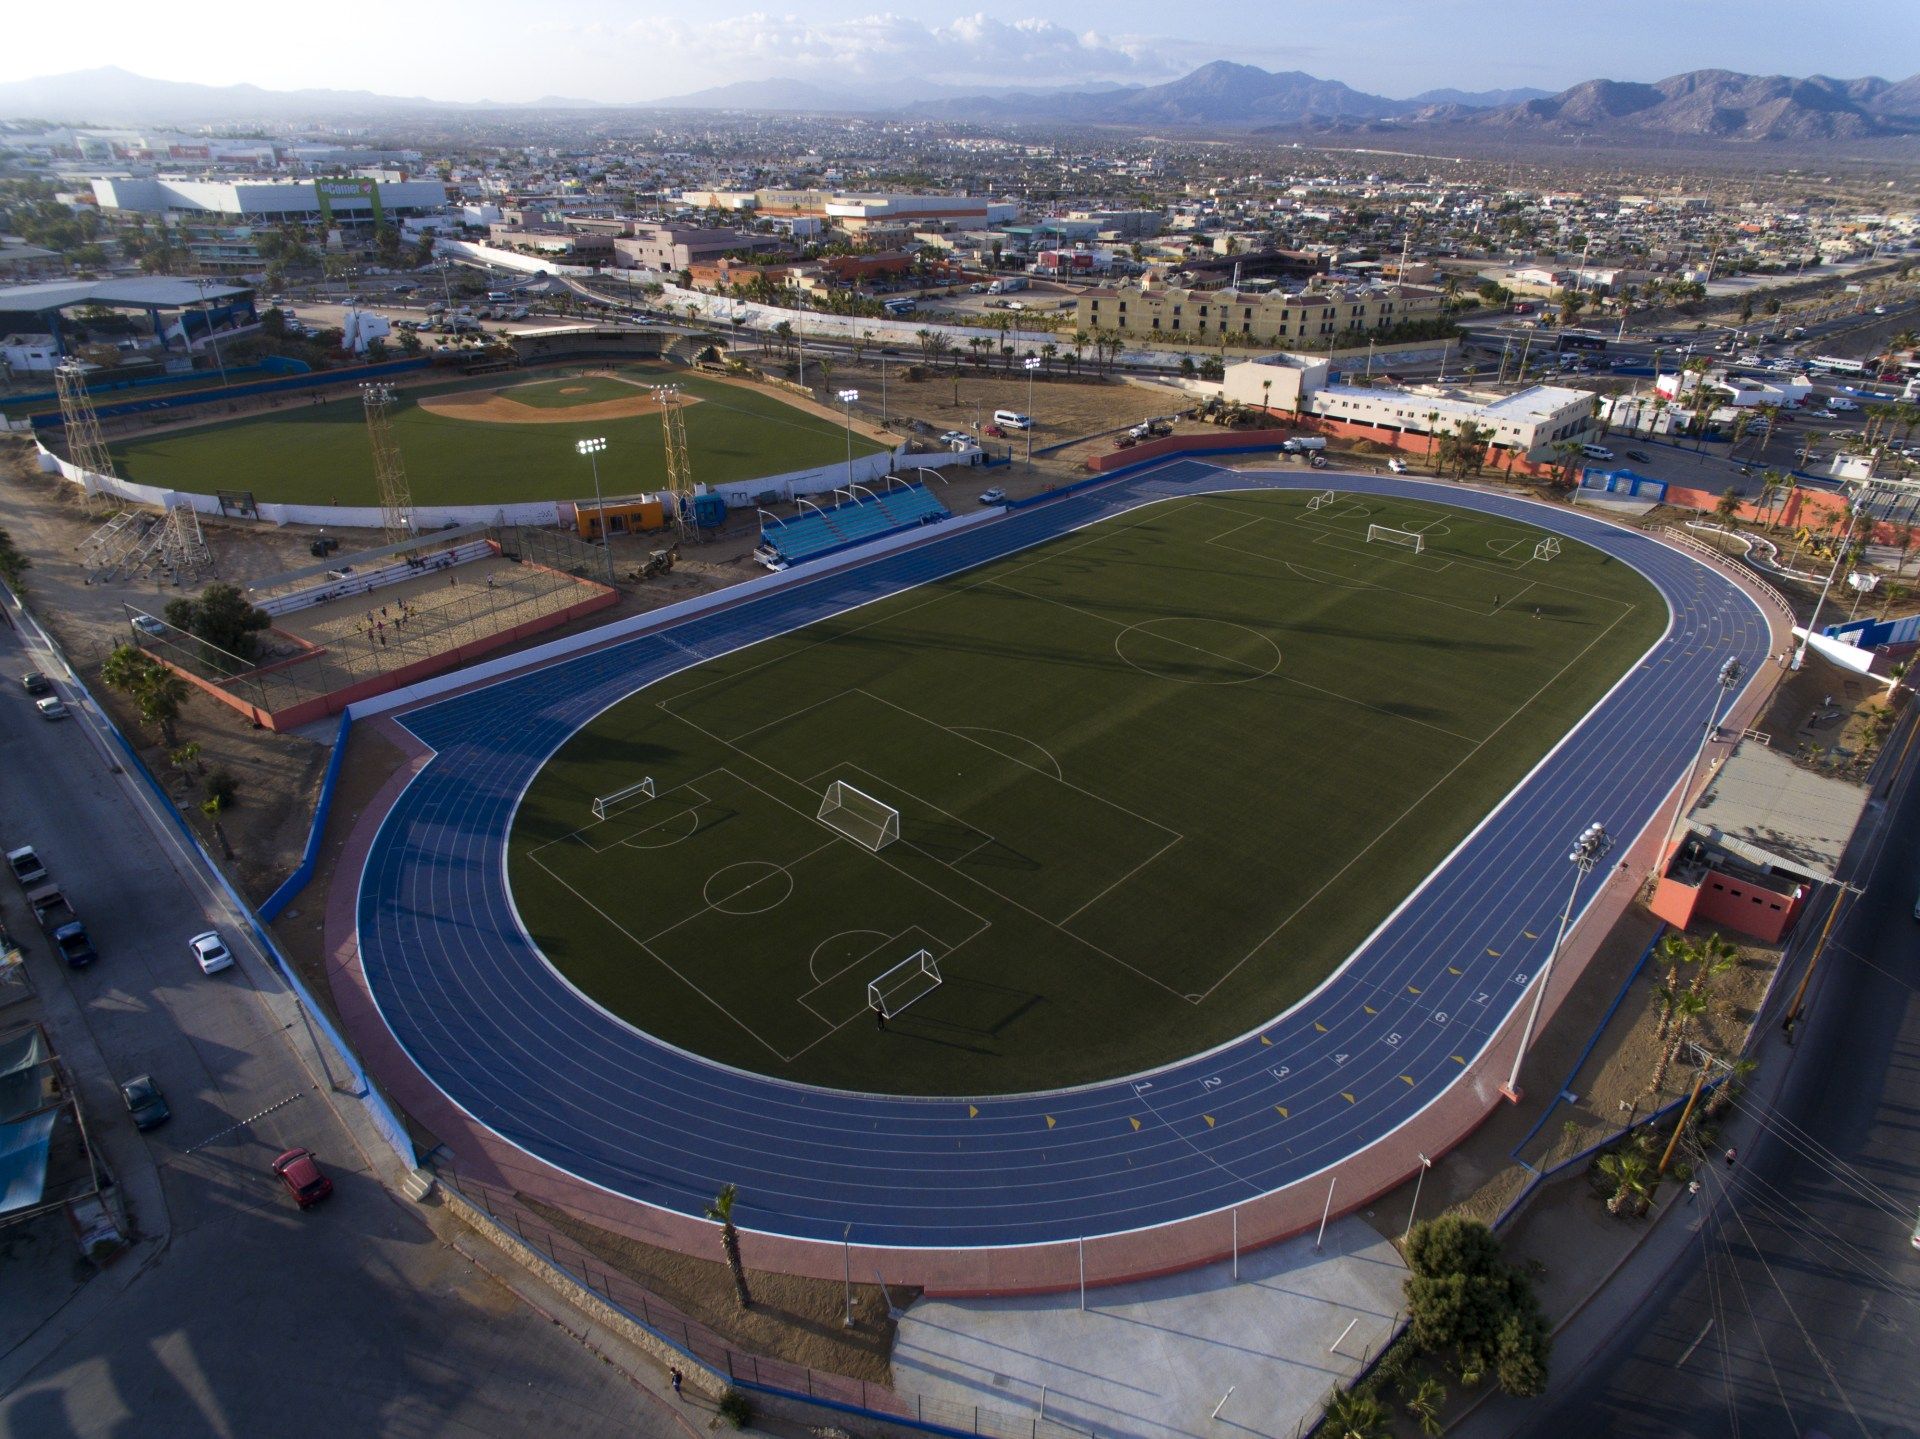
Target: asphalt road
{"type": "Point", "coordinates": [1794, 1307]}
{"type": "Point", "coordinates": [353, 1318]}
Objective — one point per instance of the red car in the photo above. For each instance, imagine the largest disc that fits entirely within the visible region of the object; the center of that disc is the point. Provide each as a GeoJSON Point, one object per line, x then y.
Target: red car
{"type": "Point", "coordinates": [995, 432]}
{"type": "Point", "coordinates": [300, 1172]}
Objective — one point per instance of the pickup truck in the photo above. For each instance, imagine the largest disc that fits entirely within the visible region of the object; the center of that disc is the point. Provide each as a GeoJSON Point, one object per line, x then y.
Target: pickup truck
{"type": "Point", "coordinates": [26, 865]}
{"type": "Point", "coordinates": [50, 907]}
{"type": "Point", "coordinates": [74, 946]}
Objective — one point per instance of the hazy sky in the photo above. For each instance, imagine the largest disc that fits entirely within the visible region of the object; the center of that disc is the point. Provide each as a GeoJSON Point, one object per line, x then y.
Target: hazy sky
{"type": "Point", "coordinates": [611, 51]}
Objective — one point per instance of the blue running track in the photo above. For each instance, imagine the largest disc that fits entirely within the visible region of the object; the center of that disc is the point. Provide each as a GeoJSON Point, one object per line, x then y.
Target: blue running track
{"type": "Point", "coordinates": [478, 1010]}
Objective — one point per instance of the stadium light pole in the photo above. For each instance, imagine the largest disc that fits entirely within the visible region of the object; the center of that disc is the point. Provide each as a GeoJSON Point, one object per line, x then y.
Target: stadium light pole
{"type": "Point", "coordinates": [847, 397]}
{"type": "Point", "coordinates": [1031, 363]}
{"type": "Point", "coordinates": [846, 1258]}
{"type": "Point", "coordinates": [1587, 851]}
{"type": "Point", "coordinates": [200, 283]}
{"type": "Point", "coordinates": [1418, 1180]}
{"type": "Point", "coordinates": [591, 449]}
{"type": "Point", "coordinates": [1724, 683]}
{"type": "Point", "coordinates": [1846, 544]}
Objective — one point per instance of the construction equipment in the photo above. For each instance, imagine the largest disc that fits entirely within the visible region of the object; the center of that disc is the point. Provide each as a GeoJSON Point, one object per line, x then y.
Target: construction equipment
{"type": "Point", "coordinates": [396, 497]}
{"type": "Point", "coordinates": [660, 562]}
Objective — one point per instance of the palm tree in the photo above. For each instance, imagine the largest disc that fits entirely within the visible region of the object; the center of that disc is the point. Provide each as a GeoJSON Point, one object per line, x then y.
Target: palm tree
{"type": "Point", "coordinates": [212, 807]}
{"type": "Point", "coordinates": [1687, 1007]}
{"type": "Point", "coordinates": [1727, 507]}
{"type": "Point", "coordinates": [1771, 483]}
{"type": "Point", "coordinates": [1079, 340]}
{"type": "Point", "coordinates": [1354, 1414]}
{"type": "Point", "coordinates": [1425, 1404]}
{"type": "Point", "coordinates": [1713, 956]}
{"type": "Point", "coordinates": [1666, 996]}
{"type": "Point", "coordinates": [721, 1210]}
{"type": "Point", "coordinates": [1632, 1180]}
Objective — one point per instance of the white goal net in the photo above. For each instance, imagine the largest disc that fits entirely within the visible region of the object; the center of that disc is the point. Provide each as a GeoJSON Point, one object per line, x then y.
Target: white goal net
{"type": "Point", "coordinates": [1320, 500]}
{"type": "Point", "coordinates": [1387, 535]}
{"type": "Point", "coordinates": [906, 984]}
{"type": "Point", "coordinates": [632, 794]}
{"type": "Point", "coordinates": [860, 817]}
{"type": "Point", "coordinates": [1546, 549]}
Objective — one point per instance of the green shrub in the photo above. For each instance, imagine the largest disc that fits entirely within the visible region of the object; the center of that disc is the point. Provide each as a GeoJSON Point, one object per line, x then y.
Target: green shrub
{"type": "Point", "coordinates": [736, 1409]}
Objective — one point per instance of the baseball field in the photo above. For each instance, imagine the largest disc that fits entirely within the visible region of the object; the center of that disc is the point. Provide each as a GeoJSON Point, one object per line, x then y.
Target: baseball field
{"type": "Point", "coordinates": [494, 439]}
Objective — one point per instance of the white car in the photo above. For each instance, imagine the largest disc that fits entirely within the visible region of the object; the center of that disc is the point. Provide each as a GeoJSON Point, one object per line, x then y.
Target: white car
{"type": "Point", "coordinates": [994, 496]}
{"type": "Point", "coordinates": [51, 708]}
{"type": "Point", "coordinates": [1398, 466]}
{"type": "Point", "coordinates": [211, 952]}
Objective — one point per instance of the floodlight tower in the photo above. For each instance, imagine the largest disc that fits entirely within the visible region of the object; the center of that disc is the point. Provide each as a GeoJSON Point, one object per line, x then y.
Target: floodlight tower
{"type": "Point", "coordinates": [85, 447]}
{"type": "Point", "coordinates": [1588, 850]}
{"type": "Point", "coordinates": [673, 430]}
{"type": "Point", "coordinates": [396, 499]}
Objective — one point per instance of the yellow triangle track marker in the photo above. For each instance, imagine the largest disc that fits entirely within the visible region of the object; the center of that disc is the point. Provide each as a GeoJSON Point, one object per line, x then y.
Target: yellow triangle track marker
{"type": "Point", "coordinates": [1369, 1009]}
{"type": "Point", "coordinates": [1456, 1059]}
{"type": "Point", "coordinates": [1529, 934]}
{"type": "Point", "coordinates": [1451, 969]}
{"type": "Point", "coordinates": [1413, 989]}
{"type": "Point", "coordinates": [1408, 1078]}
{"type": "Point", "coordinates": [1319, 1028]}
{"type": "Point", "coordinates": [1049, 1121]}
{"type": "Point", "coordinates": [1348, 1097]}
{"type": "Point", "coordinates": [1265, 1040]}
{"type": "Point", "coordinates": [973, 1111]}
{"type": "Point", "coordinates": [1281, 1110]}
{"type": "Point", "coordinates": [1135, 1123]}
{"type": "Point", "coordinates": [1210, 1120]}
{"type": "Point", "coordinates": [1494, 952]}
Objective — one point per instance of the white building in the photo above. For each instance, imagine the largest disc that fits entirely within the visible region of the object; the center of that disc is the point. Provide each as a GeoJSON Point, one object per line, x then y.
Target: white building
{"type": "Point", "coordinates": [1528, 424]}
{"type": "Point", "coordinates": [330, 200]}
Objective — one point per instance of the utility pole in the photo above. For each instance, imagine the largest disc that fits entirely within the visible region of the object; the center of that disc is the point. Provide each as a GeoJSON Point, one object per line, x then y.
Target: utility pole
{"type": "Point", "coordinates": [1588, 849]}
{"type": "Point", "coordinates": [1806, 635]}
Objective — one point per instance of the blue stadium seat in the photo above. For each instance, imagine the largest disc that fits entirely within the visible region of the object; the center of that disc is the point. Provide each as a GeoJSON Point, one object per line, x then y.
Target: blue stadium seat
{"type": "Point", "coordinates": [815, 532]}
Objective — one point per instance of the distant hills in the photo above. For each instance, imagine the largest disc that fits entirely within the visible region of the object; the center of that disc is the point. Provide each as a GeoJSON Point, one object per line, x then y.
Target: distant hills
{"type": "Point", "coordinates": [1700, 106]}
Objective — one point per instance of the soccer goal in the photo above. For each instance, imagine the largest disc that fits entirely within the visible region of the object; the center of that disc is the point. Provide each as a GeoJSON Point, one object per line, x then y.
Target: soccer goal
{"type": "Point", "coordinates": [605, 803]}
{"type": "Point", "coordinates": [1387, 535]}
{"type": "Point", "coordinates": [1318, 500]}
{"type": "Point", "coordinates": [860, 817]}
{"type": "Point", "coordinates": [1546, 549]}
{"type": "Point", "coordinates": [906, 984]}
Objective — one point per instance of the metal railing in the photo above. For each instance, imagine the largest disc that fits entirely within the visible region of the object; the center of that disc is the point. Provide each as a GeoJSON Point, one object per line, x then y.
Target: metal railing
{"type": "Point", "coordinates": [726, 1361]}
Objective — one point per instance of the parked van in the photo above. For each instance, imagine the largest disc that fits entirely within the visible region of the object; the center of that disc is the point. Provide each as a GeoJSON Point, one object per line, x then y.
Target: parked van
{"type": "Point", "coordinates": [1596, 452]}
{"type": "Point", "coordinates": [1013, 419]}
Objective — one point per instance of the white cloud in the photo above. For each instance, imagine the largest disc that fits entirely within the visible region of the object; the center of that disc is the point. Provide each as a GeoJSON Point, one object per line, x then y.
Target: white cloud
{"type": "Point", "coordinates": [973, 49]}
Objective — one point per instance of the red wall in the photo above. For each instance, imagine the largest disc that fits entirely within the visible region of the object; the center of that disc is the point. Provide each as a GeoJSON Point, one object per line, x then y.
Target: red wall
{"type": "Point", "coordinates": [1734, 904]}
{"type": "Point", "coordinates": [1398, 440]}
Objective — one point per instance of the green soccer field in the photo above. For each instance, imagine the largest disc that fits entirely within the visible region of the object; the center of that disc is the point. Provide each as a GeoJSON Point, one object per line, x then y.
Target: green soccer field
{"type": "Point", "coordinates": [1155, 781]}
{"type": "Point", "coordinates": [319, 454]}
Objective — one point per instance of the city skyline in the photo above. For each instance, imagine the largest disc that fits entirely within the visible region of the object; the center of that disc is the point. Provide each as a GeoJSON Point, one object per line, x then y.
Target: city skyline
{"type": "Point", "coordinates": [643, 54]}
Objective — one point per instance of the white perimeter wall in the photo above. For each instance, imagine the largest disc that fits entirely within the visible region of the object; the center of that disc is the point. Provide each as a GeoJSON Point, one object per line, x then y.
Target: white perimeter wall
{"type": "Point", "coordinates": [866, 470]}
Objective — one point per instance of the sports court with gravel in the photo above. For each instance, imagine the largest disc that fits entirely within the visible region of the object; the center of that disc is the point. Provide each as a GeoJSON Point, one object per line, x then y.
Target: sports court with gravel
{"type": "Point", "coordinates": [496, 440]}
{"type": "Point", "coordinates": [1153, 781]}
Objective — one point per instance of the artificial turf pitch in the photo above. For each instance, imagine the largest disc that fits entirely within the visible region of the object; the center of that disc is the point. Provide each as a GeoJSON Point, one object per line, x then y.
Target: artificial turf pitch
{"type": "Point", "coordinates": [1155, 779]}
{"type": "Point", "coordinates": [319, 454]}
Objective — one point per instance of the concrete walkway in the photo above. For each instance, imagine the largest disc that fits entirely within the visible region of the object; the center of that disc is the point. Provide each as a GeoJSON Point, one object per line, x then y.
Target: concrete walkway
{"type": "Point", "coordinates": [1151, 1360]}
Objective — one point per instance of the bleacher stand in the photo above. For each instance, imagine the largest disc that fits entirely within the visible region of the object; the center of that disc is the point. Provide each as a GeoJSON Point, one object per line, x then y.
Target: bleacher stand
{"type": "Point", "coordinates": [817, 532]}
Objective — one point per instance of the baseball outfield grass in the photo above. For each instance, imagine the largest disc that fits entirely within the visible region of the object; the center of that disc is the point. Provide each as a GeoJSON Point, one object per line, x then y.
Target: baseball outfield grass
{"type": "Point", "coordinates": [310, 454]}
{"type": "Point", "coordinates": [1154, 780]}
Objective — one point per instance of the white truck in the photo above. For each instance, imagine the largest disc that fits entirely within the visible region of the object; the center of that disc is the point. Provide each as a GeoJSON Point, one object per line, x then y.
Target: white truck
{"type": "Point", "coordinates": [1303, 445]}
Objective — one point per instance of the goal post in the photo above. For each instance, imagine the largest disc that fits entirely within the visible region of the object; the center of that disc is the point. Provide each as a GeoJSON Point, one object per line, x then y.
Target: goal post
{"type": "Point", "coordinates": [904, 985]}
{"type": "Point", "coordinates": [604, 804]}
{"type": "Point", "coordinates": [1388, 535]}
{"type": "Point", "coordinates": [859, 816]}
{"type": "Point", "coordinates": [1320, 500]}
{"type": "Point", "coordinates": [1546, 549]}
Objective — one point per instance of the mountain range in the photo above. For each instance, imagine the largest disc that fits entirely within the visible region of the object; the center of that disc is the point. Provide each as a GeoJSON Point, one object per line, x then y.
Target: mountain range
{"type": "Point", "coordinates": [1700, 105]}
